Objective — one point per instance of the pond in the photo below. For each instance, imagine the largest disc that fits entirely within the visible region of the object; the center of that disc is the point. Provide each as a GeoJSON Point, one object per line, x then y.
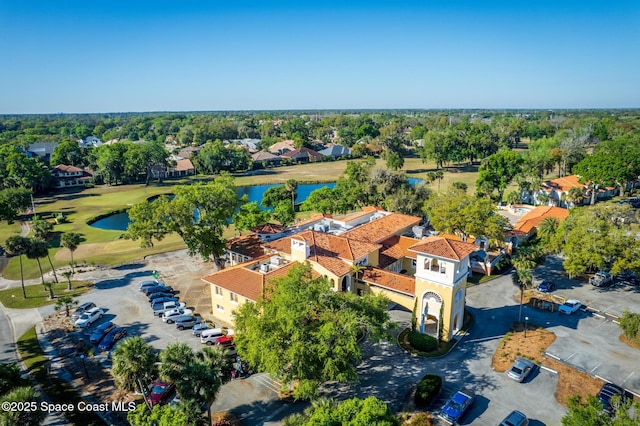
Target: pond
{"type": "Point", "coordinates": [120, 221]}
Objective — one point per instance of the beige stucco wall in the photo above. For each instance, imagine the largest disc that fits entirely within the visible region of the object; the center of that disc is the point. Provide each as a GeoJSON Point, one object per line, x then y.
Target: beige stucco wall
{"type": "Point", "coordinates": [224, 301]}
{"type": "Point", "coordinates": [399, 298]}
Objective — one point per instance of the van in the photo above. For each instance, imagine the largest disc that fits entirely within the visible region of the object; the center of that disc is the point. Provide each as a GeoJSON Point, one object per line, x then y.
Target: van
{"type": "Point", "coordinates": [209, 337]}
{"type": "Point", "coordinates": [82, 309]}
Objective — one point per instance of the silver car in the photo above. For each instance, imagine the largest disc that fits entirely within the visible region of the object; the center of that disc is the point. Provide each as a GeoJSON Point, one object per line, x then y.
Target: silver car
{"type": "Point", "coordinates": [520, 369]}
{"type": "Point", "coordinates": [515, 418]}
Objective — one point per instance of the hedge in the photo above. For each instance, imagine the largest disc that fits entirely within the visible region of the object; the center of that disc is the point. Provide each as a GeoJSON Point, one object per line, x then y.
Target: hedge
{"type": "Point", "coordinates": [427, 389]}
{"type": "Point", "coordinates": [423, 342]}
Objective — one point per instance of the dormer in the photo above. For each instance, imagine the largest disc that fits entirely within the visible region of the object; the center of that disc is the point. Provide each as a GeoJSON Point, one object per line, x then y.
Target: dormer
{"type": "Point", "coordinates": [300, 249]}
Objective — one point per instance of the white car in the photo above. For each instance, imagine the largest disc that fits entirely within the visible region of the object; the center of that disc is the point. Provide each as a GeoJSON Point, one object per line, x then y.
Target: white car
{"type": "Point", "coordinates": [89, 317]}
{"type": "Point", "coordinates": [570, 306]}
{"type": "Point", "coordinates": [170, 316]}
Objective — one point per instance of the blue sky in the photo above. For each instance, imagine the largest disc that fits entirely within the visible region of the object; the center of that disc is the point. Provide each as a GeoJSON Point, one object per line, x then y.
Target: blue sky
{"type": "Point", "coordinates": [131, 55]}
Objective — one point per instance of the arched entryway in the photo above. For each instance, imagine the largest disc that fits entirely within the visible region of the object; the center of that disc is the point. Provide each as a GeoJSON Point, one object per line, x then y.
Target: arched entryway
{"type": "Point", "coordinates": [432, 305]}
{"type": "Point", "coordinates": [456, 326]}
{"type": "Point", "coordinates": [344, 286]}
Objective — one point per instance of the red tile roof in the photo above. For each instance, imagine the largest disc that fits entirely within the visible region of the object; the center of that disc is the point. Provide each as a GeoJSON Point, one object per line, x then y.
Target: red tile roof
{"type": "Point", "coordinates": [247, 245]}
{"type": "Point", "coordinates": [444, 247]}
{"type": "Point", "coordinates": [382, 228]}
{"type": "Point", "coordinates": [564, 184]}
{"type": "Point", "coordinates": [67, 169]}
{"type": "Point", "coordinates": [246, 282]}
{"type": "Point", "coordinates": [537, 215]}
{"type": "Point", "coordinates": [302, 152]}
{"type": "Point", "coordinates": [395, 248]}
{"type": "Point", "coordinates": [390, 280]}
{"type": "Point", "coordinates": [268, 228]}
{"type": "Point", "coordinates": [183, 165]}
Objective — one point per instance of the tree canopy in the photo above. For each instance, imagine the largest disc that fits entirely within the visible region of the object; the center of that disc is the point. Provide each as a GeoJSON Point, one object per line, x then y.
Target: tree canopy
{"type": "Point", "coordinates": [497, 171]}
{"type": "Point", "coordinates": [351, 412]}
{"type": "Point", "coordinates": [304, 333]}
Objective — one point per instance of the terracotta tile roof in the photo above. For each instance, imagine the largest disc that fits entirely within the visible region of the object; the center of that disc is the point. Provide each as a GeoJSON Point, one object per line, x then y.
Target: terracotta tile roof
{"type": "Point", "coordinates": [314, 218]}
{"type": "Point", "coordinates": [365, 211]}
{"type": "Point", "coordinates": [455, 237]}
{"type": "Point", "coordinates": [264, 156]}
{"type": "Point", "coordinates": [302, 152]}
{"type": "Point", "coordinates": [382, 228]}
{"type": "Point", "coordinates": [248, 245]}
{"type": "Point", "coordinates": [183, 165]}
{"type": "Point", "coordinates": [444, 247]}
{"type": "Point", "coordinates": [283, 245]}
{"type": "Point", "coordinates": [395, 248]}
{"type": "Point", "coordinates": [246, 282]}
{"type": "Point", "coordinates": [537, 215]}
{"type": "Point", "coordinates": [390, 280]}
{"type": "Point", "coordinates": [268, 228]}
{"type": "Point", "coordinates": [564, 184]}
{"type": "Point", "coordinates": [67, 169]}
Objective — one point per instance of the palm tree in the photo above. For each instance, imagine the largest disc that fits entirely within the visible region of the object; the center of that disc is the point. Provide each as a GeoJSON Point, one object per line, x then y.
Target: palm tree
{"type": "Point", "coordinates": [49, 287]}
{"type": "Point", "coordinates": [65, 302]}
{"type": "Point", "coordinates": [575, 196]}
{"type": "Point", "coordinates": [71, 241]}
{"type": "Point", "coordinates": [291, 185]}
{"type": "Point", "coordinates": [17, 246]}
{"type": "Point", "coordinates": [174, 361]}
{"type": "Point", "coordinates": [36, 249]}
{"type": "Point", "coordinates": [26, 396]}
{"type": "Point", "coordinates": [42, 229]}
{"type": "Point", "coordinates": [547, 228]}
{"type": "Point", "coordinates": [357, 272]}
{"type": "Point", "coordinates": [211, 366]}
{"type": "Point", "coordinates": [68, 275]}
{"type": "Point", "coordinates": [523, 279]}
{"type": "Point", "coordinates": [133, 364]}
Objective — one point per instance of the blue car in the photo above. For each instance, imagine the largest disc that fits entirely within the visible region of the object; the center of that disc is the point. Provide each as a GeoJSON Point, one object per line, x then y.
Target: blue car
{"type": "Point", "coordinates": [101, 331]}
{"type": "Point", "coordinates": [160, 300]}
{"type": "Point", "coordinates": [111, 338]}
{"type": "Point", "coordinates": [455, 408]}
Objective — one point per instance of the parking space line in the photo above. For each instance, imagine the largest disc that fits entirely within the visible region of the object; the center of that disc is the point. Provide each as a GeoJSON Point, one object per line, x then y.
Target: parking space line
{"type": "Point", "coordinates": [596, 367]}
{"type": "Point", "coordinates": [553, 356]}
{"type": "Point", "coordinates": [628, 377]}
{"type": "Point", "coordinates": [570, 356]}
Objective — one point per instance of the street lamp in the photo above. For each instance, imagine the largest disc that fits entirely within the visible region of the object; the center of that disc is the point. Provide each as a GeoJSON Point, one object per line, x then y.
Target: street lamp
{"type": "Point", "coordinates": [525, 326]}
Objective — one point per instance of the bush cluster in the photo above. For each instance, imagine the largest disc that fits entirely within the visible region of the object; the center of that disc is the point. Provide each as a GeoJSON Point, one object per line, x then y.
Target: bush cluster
{"type": "Point", "coordinates": [428, 388]}
{"type": "Point", "coordinates": [423, 342]}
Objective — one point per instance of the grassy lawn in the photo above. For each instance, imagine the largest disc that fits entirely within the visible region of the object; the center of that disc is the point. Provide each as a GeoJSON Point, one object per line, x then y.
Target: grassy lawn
{"type": "Point", "coordinates": [37, 296]}
{"type": "Point", "coordinates": [58, 391]}
{"type": "Point", "coordinates": [105, 247]}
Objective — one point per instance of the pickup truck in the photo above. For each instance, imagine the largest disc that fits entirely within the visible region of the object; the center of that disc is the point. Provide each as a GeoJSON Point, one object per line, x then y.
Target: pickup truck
{"type": "Point", "coordinates": [167, 306]}
{"type": "Point", "coordinates": [601, 279]}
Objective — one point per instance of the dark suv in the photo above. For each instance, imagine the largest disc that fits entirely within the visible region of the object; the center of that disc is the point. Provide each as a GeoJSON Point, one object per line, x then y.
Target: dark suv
{"type": "Point", "coordinates": [608, 391]}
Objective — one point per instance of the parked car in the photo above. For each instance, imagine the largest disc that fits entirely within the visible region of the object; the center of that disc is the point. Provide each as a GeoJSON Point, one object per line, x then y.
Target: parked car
{"type": "Point", "coordinates": [110, 339]}
{"type": "Point", "coordinates": [187, 321]}
{"type": "Point", "coordinates": [101, 331]}
{"type": "Point", "coordinates": [211, 336]}
{"type": "Point", "coordinates": [159, 391]}
{"type": "Point", "coordinates": [455, 408]}
{"type": "Point", "coordinates": [601, 279]}
{"type": "Point", "coordinates": [546, 287]}
{"type": "Point", "coordinates": [163, 298]}
{"type": "Point", "coordinates": [82, 309]}
{"type": "Point", "coordinates": [515, 418]}
{"type": "Point", "coordinates": [606, 394]}
{"type": "Point", "coordinates": [170, 316]}
{"type": "Point", "coordinates": [158, 289]}
{"type": "Point", "coordinates": [89, 317]}
{"type": "Point", "coordinates": [146, 284]}
{"type": "Point", "coordinates": [199, 328]}
{"type": "Point", "coordinates": [153, 297]}
{"type": "Point", "coordinates": [521, 369]}
{"type": "Point", "coordinates": [570, 306]}
{"type": "Point", "coordinates": [167, 306]}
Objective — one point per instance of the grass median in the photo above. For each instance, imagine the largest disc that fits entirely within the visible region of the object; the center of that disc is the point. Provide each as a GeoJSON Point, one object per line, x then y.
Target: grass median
{"type": "Point", "coordinates": [38, 296]}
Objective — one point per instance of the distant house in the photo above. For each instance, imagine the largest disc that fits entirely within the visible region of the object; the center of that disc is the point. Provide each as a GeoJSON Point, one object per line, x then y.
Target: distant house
{"type": "Point", "coordinates": [281, 147]}
{"type": "Point", "coordinates": [251, 145]}
{"type": "Point", "coordinates": [559, 188]}
{"type": "Point", "coordinates": [269, 231]}
{"type": "Point", "coordinates": [527, 225]}
{"type": "Point", "coordinates": [266, 158]}
{"type": "Point", "coordinates": [42, 150]}
{"type": "Point", "coordinates": [90, 141]}
{"type": "Point", "coordinates": [336, 151]}
{"type": "Point", "coordinates": [70, 176]}
{"type": "Point", "coordinates": [183, 167]}
{"type": "Point", "coordinates": [302, 155]}
{"type": "Point", "coordinates": [189, 151]}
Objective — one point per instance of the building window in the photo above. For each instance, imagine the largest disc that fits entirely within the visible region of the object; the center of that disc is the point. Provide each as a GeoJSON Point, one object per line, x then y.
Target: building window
{"type": "Point", "coordinates": [233, 297]}
{"type": "Point", "coordinates": [359, 292]}
{"type": "Point", "coordinates": [218, 291]}
{"type": "Point", "coordinates": [220, 308]}
{"type": "Point", "coordinates": [443, 268]}
{"type": "Point", "coordinates": [413, 263]}
{"type": "Point", "coordinates": [435, 267]}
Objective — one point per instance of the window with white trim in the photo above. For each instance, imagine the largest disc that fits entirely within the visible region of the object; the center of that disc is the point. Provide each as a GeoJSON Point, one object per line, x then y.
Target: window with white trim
{"type": "Point", "coordinates": [218, 291]}
{"type": "Point", "coordinates": [233, 297]}
{"type": "Point", "coordinates": [220, 308]}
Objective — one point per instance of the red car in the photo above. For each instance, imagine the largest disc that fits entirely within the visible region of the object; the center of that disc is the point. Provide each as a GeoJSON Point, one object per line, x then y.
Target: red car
{"type": "Point", "coordinates": [159, 391]}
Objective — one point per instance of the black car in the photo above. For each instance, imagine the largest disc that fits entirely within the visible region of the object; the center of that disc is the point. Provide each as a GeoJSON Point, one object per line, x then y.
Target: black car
{"type": "Point", "coordinates": [110, 339]}
{"type": "Point", "coordinates": [159, 300]}
{"type": "Point", "coordinates": [154, 296]}
{"type": "Point", "coordinates": [606, 394]}
{"type": "Point", "coordinates": [101, 331]}
{"type": "Point", "coordinates": [157, 289]}
{"type": "Point", "coordinates": [546, 287]}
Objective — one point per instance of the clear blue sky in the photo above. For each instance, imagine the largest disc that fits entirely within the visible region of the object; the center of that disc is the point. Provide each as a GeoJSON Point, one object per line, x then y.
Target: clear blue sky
{"type": "Point", "coordinates": [181, 55]}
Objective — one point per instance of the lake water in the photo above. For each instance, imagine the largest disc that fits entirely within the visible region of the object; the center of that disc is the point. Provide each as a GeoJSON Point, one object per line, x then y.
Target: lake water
{"type": "Point", "coordinates": [120, 221]}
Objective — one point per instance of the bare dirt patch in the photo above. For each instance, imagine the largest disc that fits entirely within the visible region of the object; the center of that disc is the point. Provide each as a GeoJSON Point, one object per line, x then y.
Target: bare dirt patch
{"type": "Point", "coordinates": [570, 381]}
{"type": "Point", "coordinates": [631, 343]}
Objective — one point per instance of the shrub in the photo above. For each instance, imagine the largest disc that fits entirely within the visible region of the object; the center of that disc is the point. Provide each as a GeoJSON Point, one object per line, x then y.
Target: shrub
{"type": "Point", "coordinates": [630, 324]}
{"type": "Point", "coordinates": [423, 342]}
{"type": "Point", "coordinates": [427, 389]}
{"type": "Point", "coordinates": [420, 419]}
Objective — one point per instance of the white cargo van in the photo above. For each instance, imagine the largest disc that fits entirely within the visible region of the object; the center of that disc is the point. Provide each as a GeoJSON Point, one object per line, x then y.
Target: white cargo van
{"type": "Point", "coordinates": [211, 335]}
